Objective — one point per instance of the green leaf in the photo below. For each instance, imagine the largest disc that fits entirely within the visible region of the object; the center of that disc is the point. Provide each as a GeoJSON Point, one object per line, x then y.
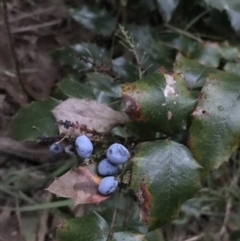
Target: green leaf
{"type": "Point", "coordinates": [234, 17]}
{"type": "Point", "coordinates": [129, 236]}
{"type": "Point", "coordinates": [194, 73]}
{"type": "Point", "coordinates": [232, 68]}
{"type": "Point", "coordinates": [207, 54]}
{"type": "Point", "coordinates": [125, 69]}
{"type": "Point", "coordinates": [37, 114]}
{"type": "Point", "coordinates": [164, 175]}
{"type": "Point", "coordinates": [161, 101]}
{"type": "Point", "coordinates": [75, 89]}
{"type": "Point", "coordinates": [235, 235]}
{"type": "Point", "coordinates": [215, 131]}
{"type": "Point", "coordinates": [224, 4]}
{"type": "Point", "coordinates": [92, 51]}
{"type": "Point", "coordinates": [98, 20]}
{"type": "Point", "coordinates": [103, 84]}
{"type": "Point", "coordinates": [150, 45]}
{"type": "Point", "coordinates": [98, 86]}
{"type": "Point", "coordinates": [167, 8]}
{"type": "Point", "coordinates": [89, 227]}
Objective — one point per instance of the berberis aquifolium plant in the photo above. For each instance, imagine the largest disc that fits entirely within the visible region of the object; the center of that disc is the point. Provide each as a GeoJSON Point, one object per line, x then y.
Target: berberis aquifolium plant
{"type": "Point", "coordinates": [151, 150]}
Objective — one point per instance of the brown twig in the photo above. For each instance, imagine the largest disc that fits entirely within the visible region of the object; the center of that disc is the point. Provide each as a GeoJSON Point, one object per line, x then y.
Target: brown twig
{"type": "Point", "coordinates": [10, 37]}
{"type": "Point", "coordinates": [100, 68]}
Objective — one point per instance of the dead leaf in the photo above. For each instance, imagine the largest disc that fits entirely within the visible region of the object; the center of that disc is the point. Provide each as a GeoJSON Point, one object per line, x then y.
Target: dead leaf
{"type": "Point", "coordinates": [94, 115]}
{"type": "Point", "coordinates": [79, 184]}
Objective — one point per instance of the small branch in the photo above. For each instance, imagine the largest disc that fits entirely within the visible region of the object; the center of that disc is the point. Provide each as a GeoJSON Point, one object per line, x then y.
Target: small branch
{"type": "Point", "coordinates": [100, 68]}
{"type": "Point", "coordinates": [195, 238]}
{"type": "Point", "coordinates": [110, 234]}
{"type": "Point", "coordinates": [10, 37]}
{"type": "Point", "coordinates": [129, 43]}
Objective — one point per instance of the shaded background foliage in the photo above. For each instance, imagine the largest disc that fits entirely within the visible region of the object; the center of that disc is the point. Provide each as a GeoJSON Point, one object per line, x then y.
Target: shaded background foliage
{"type": "Point", "coordinates": [193, 32]}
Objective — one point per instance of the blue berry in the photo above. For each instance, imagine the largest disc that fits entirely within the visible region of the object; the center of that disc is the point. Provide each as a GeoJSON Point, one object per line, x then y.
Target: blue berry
{"type": "Point", "coordinates": [105, 168]}
{"type": "Point", "coordinates": [56, 148]}
{"type": "Point", "coordinates": [108, 185]}
{"type": "Point", "coordinates": [84, 146]}
{"type": "Point", "coordinates": [117, 154]}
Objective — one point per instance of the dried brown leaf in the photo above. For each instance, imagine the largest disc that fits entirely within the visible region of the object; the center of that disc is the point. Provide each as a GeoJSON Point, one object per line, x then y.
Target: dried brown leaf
{"type": "Point", "coordinates": [94, 115]}
{"type": "Point", "coordinates": [79, 184]}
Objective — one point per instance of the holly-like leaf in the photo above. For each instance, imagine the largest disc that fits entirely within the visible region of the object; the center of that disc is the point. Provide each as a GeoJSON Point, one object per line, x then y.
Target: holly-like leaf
{"type": "Point", "coordinates": [161, 101]}
{"type": "Point", "coordinates": [224, 4]}
{"type": "Point", "coordinates": [167, 8]}
{"type": "Point", "coordinates": [75, 89]}
{"type": "Point", "coordinates": [207, 54]}
{"type": "Point", "coordinates": [125, 68]}
{"type": "Point", "coordinates": [89, 227]}
{"type": "Point", "coordinates": [79, 184]}
{"type": "Point", "coordinates": [93, 115]}
{"type": "Point", "coordinates": [103, 86]}
{"type": "Point", "coordinates": [164, 175]}
{"type": "Point", "coordinates": [215, 131]}
{"type": "Point", "coordinates": [34, 120]}
{"type": "Point", "coordinates": [232, 68]}
{"type": "Point", "coordinates": [194, 73]}
{"type": "Point", "coordinates": [129, 236]}
{"type": "Point", "coordinates": [98, 20]}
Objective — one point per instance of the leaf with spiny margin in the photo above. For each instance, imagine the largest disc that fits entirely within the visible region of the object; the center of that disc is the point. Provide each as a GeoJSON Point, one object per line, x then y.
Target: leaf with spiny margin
{"type": "Point", "coordinates": [164, 175]}
{"type": "Point", "coordinates": [93, 227]}
{"type": "Point", "coordinates": [36, 114]}
{"type": "Point", "coordinates": [72, 88]}
{"type": "Point", "coordinates": [97, 20]}
{"type": "Point", "coordinates": [89, 227]}
{"type": "Point", "coordinates": [215, 131]}
{"type": "Point", "coordinates": [194, 73]}
{"type": "Point", "coordinates": [160, 102]}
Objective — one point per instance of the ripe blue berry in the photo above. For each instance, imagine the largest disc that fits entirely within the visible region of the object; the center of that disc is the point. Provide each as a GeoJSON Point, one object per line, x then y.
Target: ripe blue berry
{"type": "Point", "coordinates": [117, 154]}
{"type": "Point", "coordinates": [56, 148]}
{"type": "Point", "coordinates": [106, 168]}
{"type": "Point", "coordinates": [84, 146]}
{"type": "Point", "coordinates": [107, 185]}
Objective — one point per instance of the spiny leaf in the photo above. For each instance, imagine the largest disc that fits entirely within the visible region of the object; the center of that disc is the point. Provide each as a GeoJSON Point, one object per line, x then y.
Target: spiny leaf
{"type": "Point", "coordinates": [194, 73]}
{"type": "Point", "coordinates": [164, 175]}
{"type": "Point", "coordinates": [160, 101]}
{"type": "Point", "coordinates": [37, 114]}
{"type": "Point", "coordinates": [89, 227]}
{"type": "Point", "coordinates": [75, 89]}
{"type": "Point", "coordinates": [215, 131]}
{"type": "Point", "coordinates": [98, 20]}
{"type": "Point", "coordinates": [167, 8]}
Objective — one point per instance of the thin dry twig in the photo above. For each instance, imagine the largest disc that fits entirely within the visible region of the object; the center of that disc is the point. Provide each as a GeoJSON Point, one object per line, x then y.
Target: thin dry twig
{"type": "Point", "coordinates": [12, 46]}
{"type": "Point", "coordinates": [195, 238]}
{"type": "Point", "coordinates": [37, 26]}
{"type": "Point", "coordinates": [16, 148]}
{"type": "Point", "coordinates": [30, 14]}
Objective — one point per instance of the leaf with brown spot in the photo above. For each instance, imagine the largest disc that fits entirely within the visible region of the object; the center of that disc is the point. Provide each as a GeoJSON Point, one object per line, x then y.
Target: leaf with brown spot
{"type": "Point", "coordinates": [87, 112]}
{"type": "Point", "coordinates": [215, 131]}
{"type": "Point", "coordinates": [164, 175]}
{"type": "Point", "coordinates": [79, 184]}
{"type": "Point", "coordinates": [161, 102]}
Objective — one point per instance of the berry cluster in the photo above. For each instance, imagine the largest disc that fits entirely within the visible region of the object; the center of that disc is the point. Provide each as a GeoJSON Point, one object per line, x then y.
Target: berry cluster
{"type": "Point", "coordinates": [108, 167]}
{"type": "Point", "coordinates": [116, 154]}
